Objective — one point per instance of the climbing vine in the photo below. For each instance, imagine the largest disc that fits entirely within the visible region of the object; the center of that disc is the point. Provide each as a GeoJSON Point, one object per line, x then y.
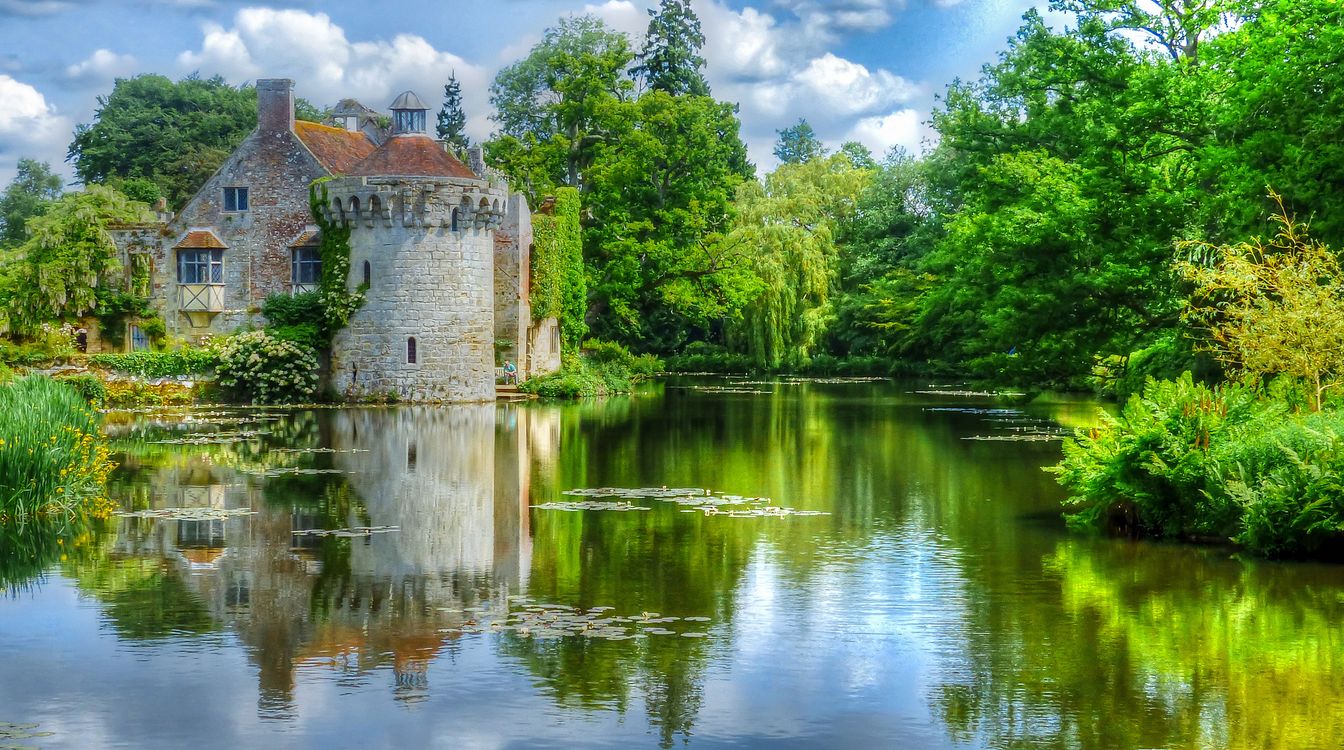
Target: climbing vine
{"type": "Point", "coordinates": [558, 286]}
{"type": "Point", "coordinates": [335, 303]}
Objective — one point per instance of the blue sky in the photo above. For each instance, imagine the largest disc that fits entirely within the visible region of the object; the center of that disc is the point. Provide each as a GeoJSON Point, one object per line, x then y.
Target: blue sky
{"type": "Point", "coordinates": [867, 70]}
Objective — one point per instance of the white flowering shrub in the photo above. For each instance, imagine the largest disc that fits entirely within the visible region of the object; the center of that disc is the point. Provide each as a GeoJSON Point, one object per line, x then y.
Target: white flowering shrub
{"type": "Point", "coordinates": [264, 369]}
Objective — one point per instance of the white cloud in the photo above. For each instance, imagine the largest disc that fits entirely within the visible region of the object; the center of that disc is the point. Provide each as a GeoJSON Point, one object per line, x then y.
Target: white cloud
{"type": "Point", "coordinates": [621, 15]}
{"type": "Point", "coordinates": [900, 128]}
{"type": "Point", "coordinates": [849, 88]}
{"type": "Point", "coordinates": [29, 127]}
{"type": "Point", "coordinates": [102, 66]}
{"type": "Point", "coordinates": [779, 69]}
{"type": "Point", "coordinates": [327, 66]}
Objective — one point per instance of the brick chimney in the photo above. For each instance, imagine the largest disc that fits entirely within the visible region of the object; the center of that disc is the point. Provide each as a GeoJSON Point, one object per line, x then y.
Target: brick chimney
{"type": "Point", "coordinates": [275, 104]}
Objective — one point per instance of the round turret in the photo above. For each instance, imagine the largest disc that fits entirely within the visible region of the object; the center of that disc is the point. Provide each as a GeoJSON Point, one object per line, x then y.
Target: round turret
{"type": "Point", "coordinates": [422, 245]}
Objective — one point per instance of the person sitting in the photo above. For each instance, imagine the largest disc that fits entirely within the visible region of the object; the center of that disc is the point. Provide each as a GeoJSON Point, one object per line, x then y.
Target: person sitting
{"type": "Point", "coordinates": [510, 373]}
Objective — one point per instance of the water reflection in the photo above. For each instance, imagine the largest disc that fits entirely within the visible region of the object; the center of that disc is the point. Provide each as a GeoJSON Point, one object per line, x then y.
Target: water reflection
{"type": "Point", "coordinates": [941, 604]}
{"type": "Point", "coordinates": [454, 481]}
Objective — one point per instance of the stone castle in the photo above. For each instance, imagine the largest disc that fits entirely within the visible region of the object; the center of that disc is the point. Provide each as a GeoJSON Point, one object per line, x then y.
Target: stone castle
{"type": "Point", "coordinates": [442, 250]}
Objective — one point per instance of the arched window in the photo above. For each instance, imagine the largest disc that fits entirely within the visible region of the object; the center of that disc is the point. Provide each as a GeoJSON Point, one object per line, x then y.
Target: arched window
{"type": "Point", "coordinates": [368, 274]}
{"type": "Point", "coordinates": [354, 208]}
{"type": "Point", "coordinates": [410, 351]}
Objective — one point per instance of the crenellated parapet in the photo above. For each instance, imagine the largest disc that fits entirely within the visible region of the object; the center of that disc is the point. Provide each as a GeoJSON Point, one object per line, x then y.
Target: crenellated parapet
{"type": "Point", "coordinates": [455, 204]}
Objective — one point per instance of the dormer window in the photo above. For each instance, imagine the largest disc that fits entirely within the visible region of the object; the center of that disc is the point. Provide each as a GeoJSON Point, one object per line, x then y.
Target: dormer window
{"type": "Point", "coordinates": [235, 199]}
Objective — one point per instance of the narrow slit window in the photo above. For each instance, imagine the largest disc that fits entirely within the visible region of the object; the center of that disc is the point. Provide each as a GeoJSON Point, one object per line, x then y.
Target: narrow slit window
{"type": "Point", "coordinates": [235, 199]}
{"type": "Point", "coordinates": [454, 219]}
{"type": "Point", "coordinates": [410, 351]}
{"type": "Point", "coordinates": [368, 274]}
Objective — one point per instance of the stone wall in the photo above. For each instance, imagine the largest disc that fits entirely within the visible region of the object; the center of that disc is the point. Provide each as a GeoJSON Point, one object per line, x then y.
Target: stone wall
{"type": "Point", "coordinates": [513, 242]}
{"type": "Point", "coordinates": [428, 282]}
{"type": "Point", "coordinates": [276, 168]}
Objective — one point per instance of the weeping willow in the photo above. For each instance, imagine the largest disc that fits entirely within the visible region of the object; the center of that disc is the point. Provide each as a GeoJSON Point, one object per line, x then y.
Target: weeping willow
{"type": "Point", "coordinates": [68, 257]}
{"type": "Point", "coordinates": [788, 225]}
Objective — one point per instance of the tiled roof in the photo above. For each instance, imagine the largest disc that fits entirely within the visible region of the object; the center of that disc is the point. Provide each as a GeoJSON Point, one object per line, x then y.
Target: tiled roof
{"type": "Point", "coordinates": [200, 239]}
{"type": "Point", "coordinates": [411, 155]}
{"type": "Point", "coordinates": [309, 238]}
{"type": "Point", "coordinates": [338, 149]}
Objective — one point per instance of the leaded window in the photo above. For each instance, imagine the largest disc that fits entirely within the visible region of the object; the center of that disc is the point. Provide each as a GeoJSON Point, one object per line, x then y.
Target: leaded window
{"type": "Point", "coordinates": [305, 266]}
{"type": "Point", "coordinates": [200, 266]}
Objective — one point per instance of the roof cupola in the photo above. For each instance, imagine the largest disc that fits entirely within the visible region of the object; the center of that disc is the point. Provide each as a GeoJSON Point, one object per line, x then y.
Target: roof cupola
{"type": "Point", "coordinates": [408, 114]}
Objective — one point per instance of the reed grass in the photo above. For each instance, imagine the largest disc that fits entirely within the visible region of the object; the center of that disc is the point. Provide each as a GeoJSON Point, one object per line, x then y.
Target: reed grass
{"type": "Point", "coordinates": [54, 461]}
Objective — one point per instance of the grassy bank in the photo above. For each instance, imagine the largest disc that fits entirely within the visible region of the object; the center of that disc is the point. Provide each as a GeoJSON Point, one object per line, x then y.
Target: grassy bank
{"type": "Point", "coordinates": [1222, 463]}
{"type": "Point", "coordinates": [53, 459]}
{"type": "Point", "coordinates": [602, 369]}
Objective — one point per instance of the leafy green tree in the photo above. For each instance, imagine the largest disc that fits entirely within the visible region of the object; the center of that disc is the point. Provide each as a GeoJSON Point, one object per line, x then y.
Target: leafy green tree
{"type": "Point", "coordinates": [175, 134]}
{"type": "Point", "coordinates": [670, 60]}
{"type": "Point", "coordinates": [660, 198]}
{"type": "Point", "coordinates": [787, 227]}
{"type": "Point", "coordinates": [798, 143]}
{"type": "Point", "coordinates": [858, 154]}
{"type": "Point", "coordinates": [1280, 101]}
{"type": "Point", "coordinates": [1036, 281]}
{"type": "Point", "coordinates": [894, 227]}
{"type": "Point", "coordinates": [555, 106]}
{"type": "Point", "coordinates": [452, 120]}
{"type": "Point", "coordinates": [69, 262]}
{"type": "Point", "coordinates": [30, 194]}
{"type": "Point", "coordinates": [1273, 307]}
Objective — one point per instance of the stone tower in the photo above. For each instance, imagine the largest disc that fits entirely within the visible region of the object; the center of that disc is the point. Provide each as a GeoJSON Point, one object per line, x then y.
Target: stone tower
{"type": "Point", "coordinates": [422, 242]}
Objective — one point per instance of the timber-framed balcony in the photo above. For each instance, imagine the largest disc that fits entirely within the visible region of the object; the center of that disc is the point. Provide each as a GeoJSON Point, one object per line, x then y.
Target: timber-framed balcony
{"type": "Point", "coordinates": [200, 302]}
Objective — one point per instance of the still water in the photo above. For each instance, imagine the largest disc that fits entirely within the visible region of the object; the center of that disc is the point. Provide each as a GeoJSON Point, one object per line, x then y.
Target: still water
{"type": "Point", "coordinates": [937, 603]}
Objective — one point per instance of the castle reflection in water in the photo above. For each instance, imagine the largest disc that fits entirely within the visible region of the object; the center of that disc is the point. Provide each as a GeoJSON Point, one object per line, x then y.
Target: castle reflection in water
{"type": "Point", "coordinates": [456, 482]}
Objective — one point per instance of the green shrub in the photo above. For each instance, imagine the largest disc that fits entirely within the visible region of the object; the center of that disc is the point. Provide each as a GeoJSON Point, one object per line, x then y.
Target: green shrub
{"type": "Point", "coordinates": [1288, 482]}
{"type": "Point", "coordinates": [263, 369]}
{"type": "Point", "coordinates": [293, 309]}
{"type": "Point", "coordinates": [304, 334]}
{"type": "Point", "coordinates": [89, 387]}
{"type": "Point", "coordinates": [569, 382]}
{"type": "Point", "coordinates": [53, 459]}
{"type": "Point", "coordinates": [702, 356]}
{"type": "Point", "coordinates": [1161, 455]}
{"type": "Point", "coordinates": [1224, 462]}
{"type": "Point", "coordinates": [604, 368]}
{"type": "Point", "coordinates": [47, 344]}
{"type": "Point", "coordinates": [184, 362]}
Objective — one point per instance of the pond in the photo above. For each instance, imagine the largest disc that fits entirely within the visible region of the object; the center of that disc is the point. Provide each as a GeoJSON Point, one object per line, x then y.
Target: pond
{"type": "Point", "coordinates": [381, 577]}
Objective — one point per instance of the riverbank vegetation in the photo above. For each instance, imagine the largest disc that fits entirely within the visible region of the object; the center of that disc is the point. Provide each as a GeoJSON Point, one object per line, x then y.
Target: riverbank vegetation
{"type": "Point", "coordinates": [602, 368]}
{"type": "Point", "coordinates": [53, 460]}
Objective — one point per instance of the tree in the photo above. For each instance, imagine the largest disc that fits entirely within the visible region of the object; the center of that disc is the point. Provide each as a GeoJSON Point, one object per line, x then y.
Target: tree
{"type": "Point", "coordinates": [787, 228]}
{"type": "Point", "coordinates": [30, 194]}
{"type": "Point", "coordinates": [556, 105]}
{"type": "Point", "coordinates": [798, 143]}
{"type": "Point", "coordinates": [176, 134]}
{"type": "Point", "coordinates": [1280, 101]}
{"type": "Point", "coordinates": [1272, 307]}
{"type": "Point", "coordinates": [858, 154]}
{"type": "Point", "coordinates": [670, 60]}
{"type": "Point", "coordinates": [659, 199]}
{"type": "Point", "coordinates": [69, 261]}
{"type": "Point", "coordinates": [1036, 282]}
{"type": "Point", "coordinates": [452, 121]}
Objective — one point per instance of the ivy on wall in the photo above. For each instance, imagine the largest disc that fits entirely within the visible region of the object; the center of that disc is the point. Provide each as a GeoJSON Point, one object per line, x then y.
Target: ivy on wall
{"type": "Point", "coordinates": [559, 289]}
{"type": "Point", "coordinates": [338, 304]}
